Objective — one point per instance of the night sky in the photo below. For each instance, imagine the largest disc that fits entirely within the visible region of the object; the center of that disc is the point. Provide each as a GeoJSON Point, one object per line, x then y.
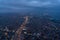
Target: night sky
{"type": "Point", "coordinates": [35, 3]}
{"type": "Point", "coordinates": [28, 5]}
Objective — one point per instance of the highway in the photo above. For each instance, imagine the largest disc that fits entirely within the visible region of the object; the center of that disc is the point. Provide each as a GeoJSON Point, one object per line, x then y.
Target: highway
{"type": "Point", "coordinates": [19, 30]}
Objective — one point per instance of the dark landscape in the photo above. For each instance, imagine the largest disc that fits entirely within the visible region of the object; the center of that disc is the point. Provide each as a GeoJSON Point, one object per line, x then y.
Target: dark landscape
{"type": "Point", "coordinates": [37, 28]}
{"type": "Point", "coordinates": [29, 19]}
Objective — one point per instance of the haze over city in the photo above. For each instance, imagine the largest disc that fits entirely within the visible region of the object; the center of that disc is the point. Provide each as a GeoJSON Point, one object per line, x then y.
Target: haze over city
{"type": "Point", "coordinates": [29, 19]}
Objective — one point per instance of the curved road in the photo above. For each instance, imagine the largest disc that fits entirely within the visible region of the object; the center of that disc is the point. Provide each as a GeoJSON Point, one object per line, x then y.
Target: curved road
{"type": "Point", "coordinates": [18, 32]}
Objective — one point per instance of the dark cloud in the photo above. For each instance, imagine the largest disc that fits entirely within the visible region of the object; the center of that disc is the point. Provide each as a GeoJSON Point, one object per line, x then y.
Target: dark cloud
{"type": "Point", "coordinates": [37, 3]}
{"type": "Point", "coordinates": [16, 4]}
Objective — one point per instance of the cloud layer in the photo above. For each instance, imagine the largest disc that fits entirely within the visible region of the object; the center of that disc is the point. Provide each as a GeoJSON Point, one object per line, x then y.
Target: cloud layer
{"type": "Point", "coordinates": [20, 4]}
{"type": "Point", "coordinates": [37, 3]}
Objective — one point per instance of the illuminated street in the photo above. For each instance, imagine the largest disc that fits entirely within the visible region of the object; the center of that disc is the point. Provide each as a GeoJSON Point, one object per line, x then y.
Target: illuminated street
{"type": "Point", "coordinates": [18, 32]}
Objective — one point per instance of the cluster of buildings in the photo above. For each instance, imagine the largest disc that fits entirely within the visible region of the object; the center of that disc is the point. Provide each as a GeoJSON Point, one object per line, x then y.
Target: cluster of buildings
{"type": "Point", "coordinates": [6, 34]}
{"type": "Point", "coordinates": [29, 35]}
{"type": "Point", "coordinates": [40, 29]}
